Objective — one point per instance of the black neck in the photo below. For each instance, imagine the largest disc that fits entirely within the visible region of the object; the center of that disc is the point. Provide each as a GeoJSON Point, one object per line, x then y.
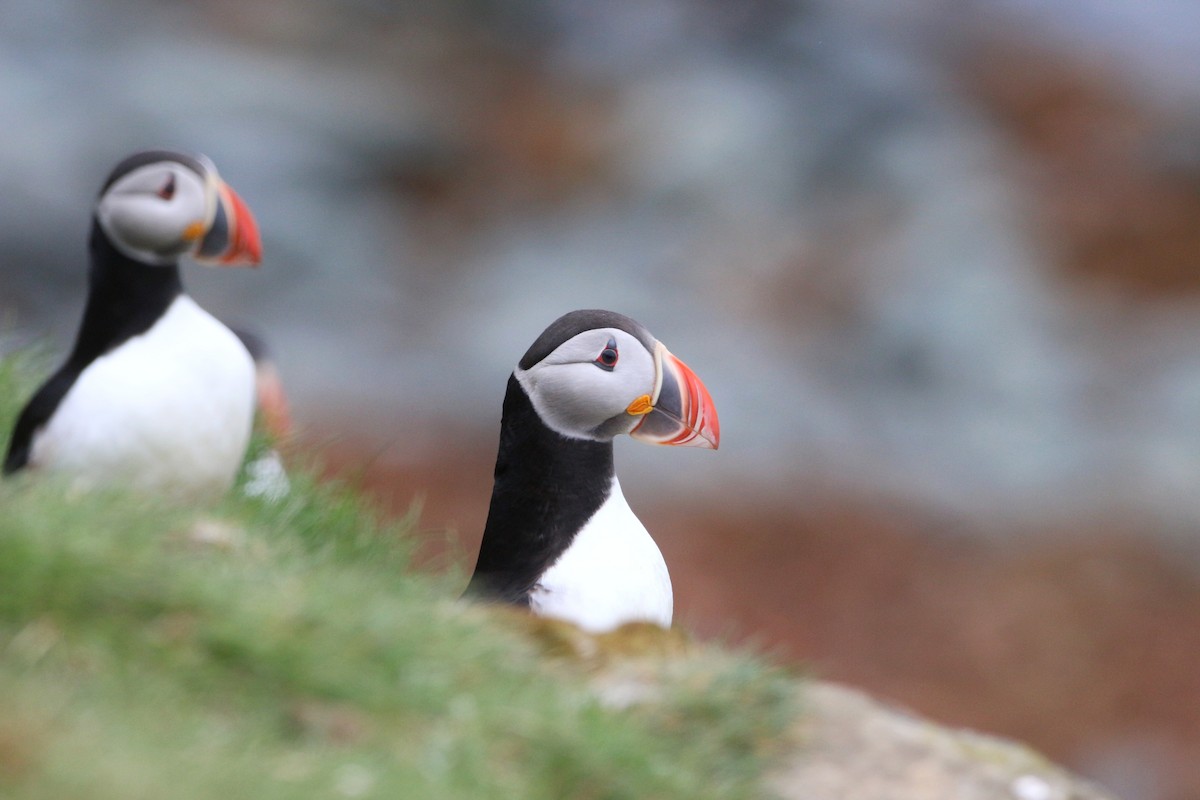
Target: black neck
{"type": "Point", "coordinates": [546, 487]}
{"type": "Point", "coordinates": [125, 297]}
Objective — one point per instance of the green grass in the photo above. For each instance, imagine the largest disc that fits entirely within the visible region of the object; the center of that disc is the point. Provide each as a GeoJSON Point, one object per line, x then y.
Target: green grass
{"type": "Point", "coordinates": [296, 654]}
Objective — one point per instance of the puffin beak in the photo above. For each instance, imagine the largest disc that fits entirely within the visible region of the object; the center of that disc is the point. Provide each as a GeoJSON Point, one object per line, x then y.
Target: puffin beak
{"type": "Point", "coordinates": [232, 239]}
{"type": "Point", "coordinates": [680, 412]}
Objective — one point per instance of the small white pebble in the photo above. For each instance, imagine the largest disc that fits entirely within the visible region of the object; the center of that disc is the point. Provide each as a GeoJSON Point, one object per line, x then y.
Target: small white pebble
{"type": "Point", "coordinates": [266, 478]}
{"type": "Point", "coordinates": [1032, 787]}
{"type": "Point", "coordinates": [620, 694]}
{"type": "Point", "coordinates": [216, 534]}
{"type": "Point", "coordinates": [353, 780]}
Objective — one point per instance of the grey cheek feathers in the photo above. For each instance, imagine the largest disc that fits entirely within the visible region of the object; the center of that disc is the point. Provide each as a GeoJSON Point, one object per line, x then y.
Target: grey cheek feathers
{"type": "Point", "coordinates": [552, 419]}
{"type": "Point", "coordinates": [136, 253]}
{"type": "Point", "coordinates": [528, 382]}
{"type": "Point", "coordinates": [615, 426]}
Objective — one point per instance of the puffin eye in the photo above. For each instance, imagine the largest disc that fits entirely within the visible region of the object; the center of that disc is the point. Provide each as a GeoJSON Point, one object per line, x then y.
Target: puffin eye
{"type": "Point", "coordinates": [168, 189]}
{"type": "Point", "coordinates": [608, 356]}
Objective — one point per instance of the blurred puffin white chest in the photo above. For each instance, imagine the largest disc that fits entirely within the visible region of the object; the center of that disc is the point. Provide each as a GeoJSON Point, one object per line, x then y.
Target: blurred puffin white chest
{"type": "Point", "coordinates": [611, 574]}
{"type": "Point", "coordinates": [168, 410]}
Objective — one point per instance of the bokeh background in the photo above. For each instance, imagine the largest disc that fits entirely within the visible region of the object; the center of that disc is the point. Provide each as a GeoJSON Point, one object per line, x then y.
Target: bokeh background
{"type": "Point", "coordinates": [938, 263]}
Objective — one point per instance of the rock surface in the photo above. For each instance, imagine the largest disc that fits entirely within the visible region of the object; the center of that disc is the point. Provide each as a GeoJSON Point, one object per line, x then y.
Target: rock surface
{"type": "Point", "coordinates": [854, 748]}
{"type": "Point", "coordinates": [841, 744]}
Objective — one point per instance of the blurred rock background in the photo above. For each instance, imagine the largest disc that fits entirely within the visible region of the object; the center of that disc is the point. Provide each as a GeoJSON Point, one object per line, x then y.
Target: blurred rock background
{"type": "Point", "coordinates": [938, 263]}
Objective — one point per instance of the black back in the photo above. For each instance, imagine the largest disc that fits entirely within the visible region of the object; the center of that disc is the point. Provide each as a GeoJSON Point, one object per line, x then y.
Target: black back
{"type": "Point", "coordinates": [125, 298]}
{"type": "Point", "coordinates": [546, 487]}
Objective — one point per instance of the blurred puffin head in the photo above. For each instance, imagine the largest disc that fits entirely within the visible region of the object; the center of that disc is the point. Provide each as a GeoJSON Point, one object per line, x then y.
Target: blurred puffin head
{"type": "Point", "coordinates": [157, 206]}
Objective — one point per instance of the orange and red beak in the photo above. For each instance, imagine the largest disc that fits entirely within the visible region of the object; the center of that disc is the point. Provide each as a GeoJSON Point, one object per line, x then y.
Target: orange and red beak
{"type": "Point", "coordinates": [681, 411]}
{"type": "Point", "coordinates": [232, 238]}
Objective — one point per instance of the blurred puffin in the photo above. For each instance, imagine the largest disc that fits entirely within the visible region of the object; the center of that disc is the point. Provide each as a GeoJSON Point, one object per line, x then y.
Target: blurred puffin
{"type": "Point", "coordinates": [560, 538]}
{"type": "Point", "coordinates": [265, 475]}
{"type": "Point", "coordinates": [156, 393]}
{"type": "Point", "coordinates": [272, 401]}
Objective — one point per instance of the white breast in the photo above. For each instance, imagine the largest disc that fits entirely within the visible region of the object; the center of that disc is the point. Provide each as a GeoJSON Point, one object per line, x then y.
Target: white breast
{"type": "Point", "coordinates": [612, 573]}
{"type": "Point", "coordinates": [170, 410]}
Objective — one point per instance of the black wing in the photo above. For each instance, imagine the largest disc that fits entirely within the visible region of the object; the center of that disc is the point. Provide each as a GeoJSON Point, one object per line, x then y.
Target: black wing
{"type": "Point", "coordinates": [35, 414]}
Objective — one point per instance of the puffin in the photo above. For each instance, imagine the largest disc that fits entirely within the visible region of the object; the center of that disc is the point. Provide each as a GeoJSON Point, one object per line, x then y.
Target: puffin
{"type": "Point", "coordinates": [274, 410]}
{"type": "Point", "coordinates": [156, 394]}
{"type": "Point", "coordinates": [265, 474]}
{"type": "Point", "coordinates": [560, 539]}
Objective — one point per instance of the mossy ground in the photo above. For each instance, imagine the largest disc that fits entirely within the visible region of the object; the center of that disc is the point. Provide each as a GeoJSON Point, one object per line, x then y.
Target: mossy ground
{"type": "Point", "coordinates": [275, 650]}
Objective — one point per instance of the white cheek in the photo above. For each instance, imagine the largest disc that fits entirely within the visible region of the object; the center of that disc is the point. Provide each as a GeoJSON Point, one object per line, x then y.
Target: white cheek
{"type": "Point", "coordinates": [565, 397]}
{"type": "Point", "coordinates": [144, 225]}
{"type": "Point", "coordinates": [577, 399]}
{"type": "Point", "coordinates": [584, 393]}
{"type": "Point", "coordinates": [142, 222]}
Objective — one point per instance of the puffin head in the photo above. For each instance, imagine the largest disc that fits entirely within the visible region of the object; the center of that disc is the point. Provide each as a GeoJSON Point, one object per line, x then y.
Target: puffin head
{"type": "Point", "coordinates": [158, 205]}
{"type": "Point", "coordinates": [597, 374]}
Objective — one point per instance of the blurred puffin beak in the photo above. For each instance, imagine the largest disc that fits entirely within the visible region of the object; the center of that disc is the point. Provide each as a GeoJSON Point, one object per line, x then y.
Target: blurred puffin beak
{"type": "Point", "coordinates": [273, 403]}
{"type": "Point", "coordinates": [680, 412]}
{"type": "Point", "coordinates": [232, 238]}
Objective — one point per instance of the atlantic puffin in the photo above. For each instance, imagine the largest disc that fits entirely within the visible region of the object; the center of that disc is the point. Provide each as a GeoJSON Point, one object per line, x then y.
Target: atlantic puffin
{"type": "Point", "coordinates": [156, 394]}
{"type": "Point", "coordinates": [560, 539]}
{"type": "Point", "coordinates": [271, 399]}
{"type": "Point", "coordinates": [265, 474]}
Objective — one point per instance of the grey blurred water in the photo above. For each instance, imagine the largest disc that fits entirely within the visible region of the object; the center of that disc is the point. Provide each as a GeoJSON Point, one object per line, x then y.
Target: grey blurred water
{"type": "Point", "coordinates": [727, 148]}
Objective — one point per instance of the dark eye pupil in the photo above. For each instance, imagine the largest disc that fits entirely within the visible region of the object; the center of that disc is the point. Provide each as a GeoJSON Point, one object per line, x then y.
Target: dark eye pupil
{"type": "Point", "coordinates": [168, 189]}
{"type": "Point", "coordinates": [608, 356]}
